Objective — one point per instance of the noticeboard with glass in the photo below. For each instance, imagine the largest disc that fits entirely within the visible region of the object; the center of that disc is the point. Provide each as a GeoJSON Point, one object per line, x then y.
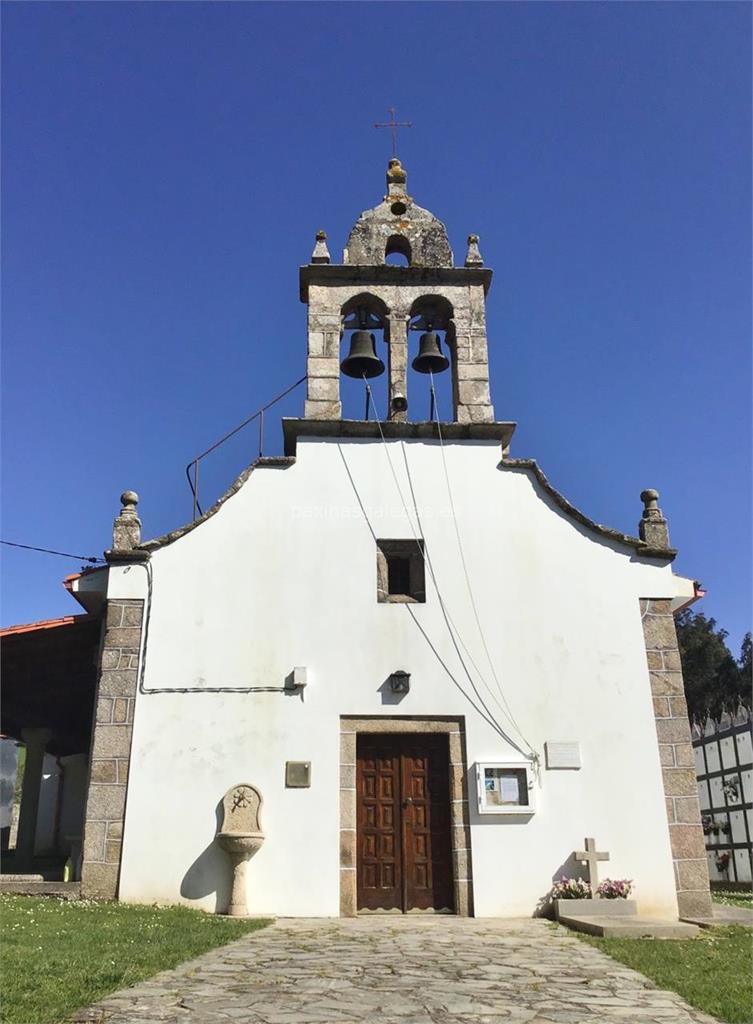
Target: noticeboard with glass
{"type": "Point", "coordinates": [504, 788]}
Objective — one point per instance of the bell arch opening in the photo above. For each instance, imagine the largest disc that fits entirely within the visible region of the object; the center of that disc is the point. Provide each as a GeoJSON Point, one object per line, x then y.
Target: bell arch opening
{"type": "Point", "coordinates": [363, 332]}
{"type": "Point", "coordinates": [431, 355]}
{"type": "Point", "coordinates": [397, 252]}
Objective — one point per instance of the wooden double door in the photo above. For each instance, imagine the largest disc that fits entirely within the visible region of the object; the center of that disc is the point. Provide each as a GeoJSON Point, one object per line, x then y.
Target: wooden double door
{"type": "Point", "coordinates": [403, 852]}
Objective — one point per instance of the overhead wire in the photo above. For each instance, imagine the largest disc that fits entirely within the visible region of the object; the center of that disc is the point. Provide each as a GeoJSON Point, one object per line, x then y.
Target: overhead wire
{"type": "Point", "coordinates": [451, 628]}
{"type": "Point", "coordinates": [50, 551]}
{"type": "Point", "coordinates": [466, 573]}
{"type": "Point", "coordinates": [487, 717]}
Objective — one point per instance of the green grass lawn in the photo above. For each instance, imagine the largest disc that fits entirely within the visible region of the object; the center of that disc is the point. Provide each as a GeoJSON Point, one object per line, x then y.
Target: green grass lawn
{"type": "Point", "coordinates": [733, 899]}
{"type": "Point", "coordinates": [57, 956]}
{"type": "Point", "coordinates": [712, 972]}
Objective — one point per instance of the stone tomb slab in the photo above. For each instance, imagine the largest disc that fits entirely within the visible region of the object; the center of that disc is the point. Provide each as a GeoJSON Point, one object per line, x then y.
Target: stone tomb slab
{"type": "Point", "coordinates": [594, 908]}
{"type": "Point", "coordinates": [629, 927]}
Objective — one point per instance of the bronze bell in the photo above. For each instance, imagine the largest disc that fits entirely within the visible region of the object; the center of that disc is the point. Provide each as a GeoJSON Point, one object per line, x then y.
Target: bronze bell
{"type": "Point", "coordinates": [362, 360]}
{"type": "Point", "coordinates": [430, 358]}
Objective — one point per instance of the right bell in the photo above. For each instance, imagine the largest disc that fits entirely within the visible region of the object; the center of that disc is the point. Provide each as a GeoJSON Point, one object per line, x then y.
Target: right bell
{"type": "Point", "coordinates": [430, 358]}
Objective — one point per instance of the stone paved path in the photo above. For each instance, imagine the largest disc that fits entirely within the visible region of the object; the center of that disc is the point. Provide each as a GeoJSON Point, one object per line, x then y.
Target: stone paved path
{"type": "Point", "coordinates": [398, 971]}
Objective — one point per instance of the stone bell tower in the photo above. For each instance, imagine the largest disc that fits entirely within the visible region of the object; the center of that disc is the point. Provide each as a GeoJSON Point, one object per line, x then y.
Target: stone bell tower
{"type": "Point", "coordinates": [366, 295]}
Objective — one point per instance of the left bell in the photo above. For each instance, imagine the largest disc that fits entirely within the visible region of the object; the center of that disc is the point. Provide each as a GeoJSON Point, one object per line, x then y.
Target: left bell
{"type": "Point", "coordinates": [430, 358]}
{"type": "Point", "coordinates": [362, 360]}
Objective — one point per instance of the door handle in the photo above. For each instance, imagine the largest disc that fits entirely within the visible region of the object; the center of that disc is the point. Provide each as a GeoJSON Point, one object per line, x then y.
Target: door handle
{"type": "Point", "coordinates": [408, 801]}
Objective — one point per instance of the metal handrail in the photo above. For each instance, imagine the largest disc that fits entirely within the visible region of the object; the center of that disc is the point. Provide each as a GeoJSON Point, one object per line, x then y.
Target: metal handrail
{"type": "Point", "coordinates": [194, 463]}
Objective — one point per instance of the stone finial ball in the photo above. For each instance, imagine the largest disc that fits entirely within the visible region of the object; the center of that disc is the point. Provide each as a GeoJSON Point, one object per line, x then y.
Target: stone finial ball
{"type": "Point", "coordinates": [321, 235]}
{"type": "Point", "coordinates": [129, 498]}
{"type": "Point", "coordinates": [649, 495]}
{"type": "Point", "coordinates": [472, 239]}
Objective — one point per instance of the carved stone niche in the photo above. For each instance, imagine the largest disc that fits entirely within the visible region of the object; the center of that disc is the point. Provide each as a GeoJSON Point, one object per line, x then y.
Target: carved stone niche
{"type": "Point", "coordinates": [240, 836]}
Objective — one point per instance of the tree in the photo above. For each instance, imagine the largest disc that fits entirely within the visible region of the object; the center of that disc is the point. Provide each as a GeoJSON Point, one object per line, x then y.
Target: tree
{"type": "Point", "coordinates": [714, 682]}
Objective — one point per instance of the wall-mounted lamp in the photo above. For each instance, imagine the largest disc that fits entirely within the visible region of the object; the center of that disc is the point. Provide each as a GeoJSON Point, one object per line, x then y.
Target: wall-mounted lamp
{"type": "Point", "coordinates": [400, 681]}
{"type": "Point", "coordinates": [297, 679]}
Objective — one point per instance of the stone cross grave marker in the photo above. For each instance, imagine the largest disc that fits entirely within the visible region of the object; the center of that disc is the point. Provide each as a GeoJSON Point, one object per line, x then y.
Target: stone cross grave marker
{"type": "Point", "coordinates": [591, 857]}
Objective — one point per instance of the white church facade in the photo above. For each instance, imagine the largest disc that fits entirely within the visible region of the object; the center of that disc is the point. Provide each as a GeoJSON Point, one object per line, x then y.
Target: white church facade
{"type": "Point", "coordinates": [437, 674]}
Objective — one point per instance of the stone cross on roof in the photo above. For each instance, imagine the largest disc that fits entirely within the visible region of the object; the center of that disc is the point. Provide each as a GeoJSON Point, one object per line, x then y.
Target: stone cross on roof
{"type": "Point", "coordinates": [590, 857]}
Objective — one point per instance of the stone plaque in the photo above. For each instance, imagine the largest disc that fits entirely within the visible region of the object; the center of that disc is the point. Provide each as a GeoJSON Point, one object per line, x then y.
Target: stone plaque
{"type": "Point", "coordinates": [562, 755]}
{"type": "Point", "coordinates": [297, 774]}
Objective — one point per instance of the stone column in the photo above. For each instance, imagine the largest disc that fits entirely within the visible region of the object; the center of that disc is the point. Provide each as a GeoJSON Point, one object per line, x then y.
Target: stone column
{"type": "Point", "coordinates": [323, 364]}
{"type": "Point", "coordinates": [397, 326]}
{"type": "Point", "coordinates": [36, 741]}
{"type": "Point", "coordinates": [470, 368]}
{"type": "Point", "coordinates": [677, 760]}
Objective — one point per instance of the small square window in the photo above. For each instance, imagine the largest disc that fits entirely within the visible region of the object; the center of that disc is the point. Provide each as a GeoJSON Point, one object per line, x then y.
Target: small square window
{"type": "Point", "coordinates": [400, 571]}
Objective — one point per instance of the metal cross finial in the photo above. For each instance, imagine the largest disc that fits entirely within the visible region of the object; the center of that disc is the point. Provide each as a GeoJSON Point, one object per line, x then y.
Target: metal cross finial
{"type": "Point", "coordinates": [591, 858]}
{"type": "Point", "coordinates": [393, 125]}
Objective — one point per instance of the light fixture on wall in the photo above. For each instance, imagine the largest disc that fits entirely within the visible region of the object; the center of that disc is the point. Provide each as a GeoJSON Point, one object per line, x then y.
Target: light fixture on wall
{"type": "Point", "coordinates": [400, 681]}
{"type": "Point", "coordinates": [297, 679]}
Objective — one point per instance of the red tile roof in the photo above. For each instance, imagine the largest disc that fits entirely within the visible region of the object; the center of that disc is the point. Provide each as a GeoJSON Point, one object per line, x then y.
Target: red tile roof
{"type": "Point", "coordinates": [31, 627]}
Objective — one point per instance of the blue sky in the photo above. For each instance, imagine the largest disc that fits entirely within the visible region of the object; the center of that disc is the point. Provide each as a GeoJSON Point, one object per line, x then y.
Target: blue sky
{"type": "Point", "coordinates": [166, 167]}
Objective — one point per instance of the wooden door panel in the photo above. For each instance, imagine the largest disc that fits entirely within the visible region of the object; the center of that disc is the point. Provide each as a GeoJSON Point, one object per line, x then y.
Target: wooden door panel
{"type": "Point", "coordinates": [428, 858]}
{"type": "Point", "coordinates": [403, 851]}
{"type": "Point", "coordinates": [378, 852]}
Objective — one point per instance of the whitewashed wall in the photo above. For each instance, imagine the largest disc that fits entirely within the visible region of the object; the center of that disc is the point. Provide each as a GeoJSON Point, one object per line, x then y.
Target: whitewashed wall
{"type": "Point", "coordinates": [285, 575]}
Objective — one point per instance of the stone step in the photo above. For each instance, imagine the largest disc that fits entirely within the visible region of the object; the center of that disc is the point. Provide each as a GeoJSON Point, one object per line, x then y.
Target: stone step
{"type": "Point", "coordinates": [33, 885]}
{"type": "Point", "coordinates": [724, 915]}
{"type": "Point", "coordinates": [629, 927]}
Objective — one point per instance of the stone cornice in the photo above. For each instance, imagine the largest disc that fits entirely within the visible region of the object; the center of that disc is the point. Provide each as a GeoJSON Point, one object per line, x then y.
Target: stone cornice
{"type": "Point", "coordinates": [292, 429]}
{"type": "Point", "coordinates": [386, 274]}
{"type": "Point", "coordinates": [638, 545]}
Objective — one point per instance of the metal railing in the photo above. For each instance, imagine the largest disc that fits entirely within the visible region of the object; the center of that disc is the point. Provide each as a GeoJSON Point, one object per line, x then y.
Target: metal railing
{"type": "Point", "coordinates": [192, 469]}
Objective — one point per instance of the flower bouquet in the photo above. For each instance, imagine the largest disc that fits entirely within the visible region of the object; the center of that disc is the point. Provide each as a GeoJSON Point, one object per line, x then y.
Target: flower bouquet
{"type": "Point", "coordinates": [615, 888]}
{"type": "Point", "coordinates": [571, 889]}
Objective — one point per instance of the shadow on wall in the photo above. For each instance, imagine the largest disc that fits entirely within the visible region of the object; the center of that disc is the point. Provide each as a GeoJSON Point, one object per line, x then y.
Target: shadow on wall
{"type": "Point", "coordinates": [211, 872]}
{"type": "Point", "coordinates": [569, 868]}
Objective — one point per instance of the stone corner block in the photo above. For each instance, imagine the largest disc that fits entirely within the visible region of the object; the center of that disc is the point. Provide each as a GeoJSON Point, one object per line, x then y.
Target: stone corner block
{"type": "Point", "coordinates": [99, 881]}
{"type": "Point", "coordinates": [695, 904]}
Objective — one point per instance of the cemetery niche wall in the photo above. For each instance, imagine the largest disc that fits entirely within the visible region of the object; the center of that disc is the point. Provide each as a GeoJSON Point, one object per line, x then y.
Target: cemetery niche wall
{"type": "Point", "coordinates": [724, 766]}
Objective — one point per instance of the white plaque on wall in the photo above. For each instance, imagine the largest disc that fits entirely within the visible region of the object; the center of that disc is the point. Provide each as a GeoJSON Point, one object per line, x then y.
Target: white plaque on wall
{"type": "Point", "coordinates": [562, 755]}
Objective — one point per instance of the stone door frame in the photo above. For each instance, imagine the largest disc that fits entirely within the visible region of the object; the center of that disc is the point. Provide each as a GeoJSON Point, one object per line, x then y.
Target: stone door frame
{"type": "Point", "coordinates": [460, 830]}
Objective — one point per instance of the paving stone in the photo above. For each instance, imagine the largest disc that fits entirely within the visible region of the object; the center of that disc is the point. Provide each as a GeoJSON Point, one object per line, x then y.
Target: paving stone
{"type": "Point", "coordinates": [398, 971]}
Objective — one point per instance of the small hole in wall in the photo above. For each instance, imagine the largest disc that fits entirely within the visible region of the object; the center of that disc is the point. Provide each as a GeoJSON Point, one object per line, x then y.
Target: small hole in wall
{"type": "Point", "coordinates": [396, 259]}
{"type": "Point", "coordinates": [398, 251]}
{"type": "Point", "coordinates": [399, 209]}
